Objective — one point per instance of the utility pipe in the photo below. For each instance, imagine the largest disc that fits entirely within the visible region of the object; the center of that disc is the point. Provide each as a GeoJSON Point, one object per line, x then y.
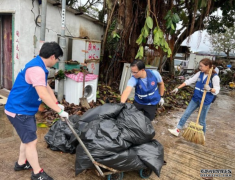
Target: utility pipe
{"type": "Point", "coordinates": [63, 46]}
{"type": "Point", "coordinates": [43, 22]}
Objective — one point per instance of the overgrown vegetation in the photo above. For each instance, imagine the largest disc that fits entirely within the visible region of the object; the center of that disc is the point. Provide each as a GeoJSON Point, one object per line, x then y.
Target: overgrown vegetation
{"type": "Point", "coordinates": [60, 75]}
{"type": "Point", "coordinates": [223, 41]}
{"type": "Point", "coordinates": [226, 78]}
{"type": "Point", "coordinates": [135, 27]}
{"type": "Point", "coordinates": [131, 24]}
{"type": "Point", "coordinates": [89, 7]}
{"type": "Point", "coordinates": [111, 94]}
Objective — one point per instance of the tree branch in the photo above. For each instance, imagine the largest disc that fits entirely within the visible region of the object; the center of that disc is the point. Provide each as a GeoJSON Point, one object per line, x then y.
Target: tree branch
{"type": "Point", "coordinates": [109, 22]}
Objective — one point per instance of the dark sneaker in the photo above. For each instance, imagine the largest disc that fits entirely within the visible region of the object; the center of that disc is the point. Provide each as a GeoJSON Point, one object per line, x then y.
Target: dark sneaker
{"type": "Point", "coordinates": [40, 176]}
{"type": "Point", "coordinates": [25, 166]}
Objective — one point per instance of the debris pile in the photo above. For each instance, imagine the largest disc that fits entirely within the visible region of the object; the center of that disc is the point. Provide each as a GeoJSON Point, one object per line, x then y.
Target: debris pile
{"type": "Point", "coordinates": [110, 94]}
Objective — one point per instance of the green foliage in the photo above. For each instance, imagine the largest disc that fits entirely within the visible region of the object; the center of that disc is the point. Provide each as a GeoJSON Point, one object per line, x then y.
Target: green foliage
{"type": "Point", "coordinates": [42, 125]}
{"type": "Point", "coordinates": [60, 75]}
{"type": "Point", "coordinates": [149, 22]}
{"type": "Point", "coordinates": [101, 14]}
{"type": "Point", "coordinates": [171, 20]}
{"type": "Point", "coordinates": [159, 41]}
{"type": "Point", "coordinates": [112, 39]}
{"type": "Point", "coordinates": [140, 53]}
{"type": "Point", "coordinates": [183, 17]}
{"type": "Point", "coordinates": [218, 24]}
{"type": "Point", "coordinates": [223, 42]}
{"type": "Point", "coordinates": [89, 7]}
{"type": "Point", "coordinates": [226, 78]}
{"type": "Point", "coordinates": [115, 35]}
{"type": "Point", "coordinates": [144, 34]}
{"type": "Point", "coordinates": [202, 4]}
{"type": "Point", "coordinates": [158, 36]}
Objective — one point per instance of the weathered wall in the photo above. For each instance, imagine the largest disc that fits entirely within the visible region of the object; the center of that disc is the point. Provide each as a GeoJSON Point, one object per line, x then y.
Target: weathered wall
{"type": "Point", "coordinates": [27, 34]}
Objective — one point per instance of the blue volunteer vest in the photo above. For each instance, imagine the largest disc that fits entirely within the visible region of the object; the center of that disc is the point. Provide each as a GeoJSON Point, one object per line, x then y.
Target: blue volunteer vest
{"type": "Point", "coordinates": [23, 98]}
{"type": "Point", "coordinates": [147, 95]}
{"type": "Point", "coordinates": [198, 91]}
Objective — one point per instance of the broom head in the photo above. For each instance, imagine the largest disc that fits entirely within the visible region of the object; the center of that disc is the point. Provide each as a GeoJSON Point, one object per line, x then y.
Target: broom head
{"type": "Point", "coordinates": [194, 133]}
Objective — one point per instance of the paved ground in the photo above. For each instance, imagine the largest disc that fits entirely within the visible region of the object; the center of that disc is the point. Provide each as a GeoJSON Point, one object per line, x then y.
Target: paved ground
{"type": "Point", "coordinates": [184, 159]}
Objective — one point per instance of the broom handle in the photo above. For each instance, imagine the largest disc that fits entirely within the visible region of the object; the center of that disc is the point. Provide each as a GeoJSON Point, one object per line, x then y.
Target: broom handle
{"type": "Point", "coordinates": [83, 83]}
{"type": "Point", "coordinates": [204, 95]}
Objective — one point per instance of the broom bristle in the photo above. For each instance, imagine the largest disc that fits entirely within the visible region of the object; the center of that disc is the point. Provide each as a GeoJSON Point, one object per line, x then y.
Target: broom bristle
{"type": "Point", "coordinates": [194, 133]}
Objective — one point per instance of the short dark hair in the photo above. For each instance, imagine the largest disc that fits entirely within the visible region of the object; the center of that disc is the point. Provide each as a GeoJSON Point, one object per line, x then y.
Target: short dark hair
{"type": "Point", "coordinates": [50, 48]}
{"type": "Point", "coordinates": [139, 63]}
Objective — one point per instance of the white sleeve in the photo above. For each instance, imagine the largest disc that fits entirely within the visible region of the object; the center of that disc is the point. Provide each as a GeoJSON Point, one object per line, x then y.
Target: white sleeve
{"type": "Point", "coordinates": [192, 79]}
{"type": "Point", "coordinates": [216, 84]}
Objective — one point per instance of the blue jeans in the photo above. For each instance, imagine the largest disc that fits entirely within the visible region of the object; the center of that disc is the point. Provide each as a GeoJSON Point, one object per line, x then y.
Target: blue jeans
{"type": "Point", "coordinates": [190, 109]}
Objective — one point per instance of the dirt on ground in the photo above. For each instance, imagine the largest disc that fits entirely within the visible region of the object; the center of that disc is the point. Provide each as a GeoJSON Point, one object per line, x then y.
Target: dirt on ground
{"type": "Point", "coordinates": [185, 160]}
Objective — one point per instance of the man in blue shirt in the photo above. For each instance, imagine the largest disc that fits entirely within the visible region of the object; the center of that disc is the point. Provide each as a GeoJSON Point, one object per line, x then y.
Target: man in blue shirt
{"type": "Point", "coordinates": [28, 92]}
{"type": "Point", "coordinates": [149, 89]}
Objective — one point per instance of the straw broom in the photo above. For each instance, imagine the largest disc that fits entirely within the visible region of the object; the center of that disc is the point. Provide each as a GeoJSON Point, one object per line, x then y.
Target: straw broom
{"type": "Point", "coordinates": [194, 132]}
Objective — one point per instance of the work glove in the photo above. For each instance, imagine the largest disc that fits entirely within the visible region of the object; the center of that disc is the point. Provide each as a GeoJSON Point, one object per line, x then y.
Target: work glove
{"type": "Point", "coordinates": [175, 90]}
{"type": "Point", "coordinates": [63, 114]}
{"type": "Point", "coordinates": [161, 102]}
{"type": "Point", "coordinates": [207, 88]}
{"type": "Point", "coordinates": [61, 106]}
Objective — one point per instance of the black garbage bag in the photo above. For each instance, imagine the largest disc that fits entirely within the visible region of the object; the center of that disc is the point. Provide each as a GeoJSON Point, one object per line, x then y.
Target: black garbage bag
{"type": "Point", "coordinates": [105, 111]}
{"type": "Point", "coordinates": [59, 135]}
{"type": "Point", "coordinates": [152, 155]}
{"type": "Point", "coordinates": [109, 141]}
{"type": "Point", "coordinates": [125, 160]}
{"type": "Point", "coordinates": [102, 138]}
{"type": "Point", "coordinates": [135, 127]}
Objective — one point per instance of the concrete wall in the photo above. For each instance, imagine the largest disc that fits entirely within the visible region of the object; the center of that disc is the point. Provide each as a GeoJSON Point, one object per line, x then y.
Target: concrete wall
{"type": "Point", "coordinates": [26, 40]}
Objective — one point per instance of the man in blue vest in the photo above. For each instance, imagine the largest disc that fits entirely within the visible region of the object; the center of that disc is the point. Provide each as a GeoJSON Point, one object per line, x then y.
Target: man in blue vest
{"type": "Point", "coordinates": [149, 89]}
{"type": "Point", "coordinates": [28, 92]}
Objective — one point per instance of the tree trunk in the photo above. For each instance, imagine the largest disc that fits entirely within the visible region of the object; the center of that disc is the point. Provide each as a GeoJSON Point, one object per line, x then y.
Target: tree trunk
{"type": "Point", "coordinates": [130, 16]}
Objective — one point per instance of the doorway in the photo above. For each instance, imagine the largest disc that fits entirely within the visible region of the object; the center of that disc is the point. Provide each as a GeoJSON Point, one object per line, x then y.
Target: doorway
{"type": "Point", "coordinates": [6, 51]}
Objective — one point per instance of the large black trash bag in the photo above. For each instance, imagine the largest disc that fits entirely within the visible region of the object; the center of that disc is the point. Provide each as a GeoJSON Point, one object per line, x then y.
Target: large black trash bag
{"type": "Point", "coordinates": [134, 125]}
{"type": "Point", "coordinates": [108, 138]}
{"type": "Point", "coordinates": [123, 161]}
{"type": "Point", "coordinates": [102, 138]}
{"type": "Point", "coordinates": [152, 155]}
{"type": "Point", "coordinates": [105, 111]}
{"type": "Point", "coordinates": [59, 135]}
{"type": "Point", "coordinates": [101, 134]}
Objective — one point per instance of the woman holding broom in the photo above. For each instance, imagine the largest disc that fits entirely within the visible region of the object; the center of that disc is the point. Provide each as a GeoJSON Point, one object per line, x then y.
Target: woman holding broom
{"type": "Point", "coordinates": [212, 89]}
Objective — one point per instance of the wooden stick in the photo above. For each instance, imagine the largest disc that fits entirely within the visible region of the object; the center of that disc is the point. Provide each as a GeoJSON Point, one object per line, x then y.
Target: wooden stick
{"type": "Point", "coordinates": [204, 95]}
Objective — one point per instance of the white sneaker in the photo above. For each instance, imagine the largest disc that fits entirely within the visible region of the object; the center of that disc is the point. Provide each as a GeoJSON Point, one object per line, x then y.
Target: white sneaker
{"type": "Point", "coordinates": [175, 131]}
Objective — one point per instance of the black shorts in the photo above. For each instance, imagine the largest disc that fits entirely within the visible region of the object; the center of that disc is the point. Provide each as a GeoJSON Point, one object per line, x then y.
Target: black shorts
{"type": "Point", "coordinates": [25, 126]}
{"type": "Point", "coordinates": [149, 110]}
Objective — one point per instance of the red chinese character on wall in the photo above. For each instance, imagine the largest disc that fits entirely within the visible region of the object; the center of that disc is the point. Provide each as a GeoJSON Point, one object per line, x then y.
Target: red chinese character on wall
{"type": "Point", "coordinates": [17, 56]}
{"type": "Point", "coordinates": [92, 56]}
{"type": "Point", "coordinates": [17, 47]}
{"type": "Point", "coordinates": [94, 47]}
{"type": "Point", "coordinates": [89, 46]}
{"type": "Point", "coordinates": [17, 33]}
{"type": "Point", "coordinates": [93, 66]}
